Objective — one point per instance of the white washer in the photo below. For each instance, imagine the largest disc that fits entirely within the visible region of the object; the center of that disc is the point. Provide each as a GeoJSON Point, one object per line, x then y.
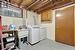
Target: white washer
{"type": "Point", "coordinates": [34, 35]}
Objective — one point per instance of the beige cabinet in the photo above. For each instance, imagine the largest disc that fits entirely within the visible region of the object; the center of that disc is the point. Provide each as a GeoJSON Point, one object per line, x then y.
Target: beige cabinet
{"type": "Point", "coordinates": [46, 16]}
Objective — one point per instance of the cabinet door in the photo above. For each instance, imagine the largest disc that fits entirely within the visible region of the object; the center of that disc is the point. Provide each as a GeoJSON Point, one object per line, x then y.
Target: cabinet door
{"type": "Point", "coordinates": [65, 25]}
{"type": "Point", "coordinates": [46, 16]}
{"type": "Point", "coordinates": [42, 33]}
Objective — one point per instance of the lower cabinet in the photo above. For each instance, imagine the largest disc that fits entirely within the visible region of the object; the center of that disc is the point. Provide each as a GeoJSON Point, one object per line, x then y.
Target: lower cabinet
{"type": "Point", "coordinates": [42, 33]}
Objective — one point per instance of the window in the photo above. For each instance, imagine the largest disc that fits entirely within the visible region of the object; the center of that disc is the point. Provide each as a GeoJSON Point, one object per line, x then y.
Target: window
{"type": "Point", "coordinates": [8, 10]}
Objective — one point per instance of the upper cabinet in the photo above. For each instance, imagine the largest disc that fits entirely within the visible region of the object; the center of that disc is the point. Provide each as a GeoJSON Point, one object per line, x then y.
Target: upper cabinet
{"type": "Point", "coordinates": [46, 16]}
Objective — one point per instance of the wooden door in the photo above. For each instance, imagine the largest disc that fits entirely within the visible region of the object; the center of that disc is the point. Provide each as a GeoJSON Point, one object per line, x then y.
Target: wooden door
{"type": "Point", "coordinates": [74, 25]}
{"type": "Point", "coordinates": [65, 25]}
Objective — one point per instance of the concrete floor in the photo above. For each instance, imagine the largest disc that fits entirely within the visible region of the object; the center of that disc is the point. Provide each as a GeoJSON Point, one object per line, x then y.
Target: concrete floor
{"type": "Point", "coordinates": [47, 45]}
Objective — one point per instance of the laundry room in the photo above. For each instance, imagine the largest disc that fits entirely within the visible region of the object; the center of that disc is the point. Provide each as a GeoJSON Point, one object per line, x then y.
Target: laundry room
{"type": "Point", "coordinates": [37, 24]}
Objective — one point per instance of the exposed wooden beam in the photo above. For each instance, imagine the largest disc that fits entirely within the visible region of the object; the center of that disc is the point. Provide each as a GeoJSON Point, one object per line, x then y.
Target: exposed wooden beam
{"type": "Point", "coordinates": [40, 5]}
{"type": "Point", "coordinates": [63, 5]}
{"type": "Point", "coordinates": [48, 3]}
{"type": "Point", "coordinates": [48, 6]}
{"type": "Point", "coordinates": [55, 5]}
{"type": "Point", "coordinates": [32, 4]}
{"type": "Point", "coordinates": [25, 5]}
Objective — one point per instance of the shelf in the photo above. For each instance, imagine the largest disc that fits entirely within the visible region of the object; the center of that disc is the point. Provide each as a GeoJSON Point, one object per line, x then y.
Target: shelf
{"type": "Point", "coordinates": [5, 31]}
{"type": "Point", "coordinates": [8, 37]}
{"type": "Point", "coordinates": [14, 35]}
{"type": "Point", "coordinates": [8, 42]}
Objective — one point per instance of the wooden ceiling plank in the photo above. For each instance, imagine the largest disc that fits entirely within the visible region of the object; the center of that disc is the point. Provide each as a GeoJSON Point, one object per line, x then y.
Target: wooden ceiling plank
{"type": "Point", "coordinates": [64, 4]}
{"type": "Point", "coordinates": [20, 3]}
{"type": "Point", "coordinates": [45, 4]}
{"type": "Point", "coordinates": [26, 2]}
{"type": "Point", "coordinates": [40, 5]}
{"type": "Point", "coordinates": [48, 6]}
{"type": "Point", "coordinates": [56, 5]}
{"type": "Point", "coordinates": [17, 2]}
{"type": "Point", "coordinates": [32, 4]}
{"type": "Point", "coordinates": [25, 6]}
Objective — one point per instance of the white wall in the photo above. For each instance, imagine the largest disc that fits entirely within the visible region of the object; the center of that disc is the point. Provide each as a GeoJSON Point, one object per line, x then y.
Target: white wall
{"type": "Point", "coordinates": [30, 17]}
{"type": "Point", "coordinates": [12, 20]}
{"type": "Point", "coordinates": [49, 26]}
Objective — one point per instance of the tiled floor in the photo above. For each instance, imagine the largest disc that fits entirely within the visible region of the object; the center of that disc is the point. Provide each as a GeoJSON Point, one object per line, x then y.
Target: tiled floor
{"type": "Point", "coordinates": [47, 45]}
